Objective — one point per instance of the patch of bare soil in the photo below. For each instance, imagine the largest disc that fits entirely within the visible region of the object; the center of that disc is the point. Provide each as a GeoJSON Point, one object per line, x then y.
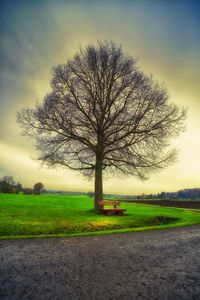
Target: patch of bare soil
{"type": "Point", "coordinates": [169, 203]}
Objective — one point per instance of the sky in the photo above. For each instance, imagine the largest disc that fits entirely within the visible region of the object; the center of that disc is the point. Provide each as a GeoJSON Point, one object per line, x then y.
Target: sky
{"type": "Point", "coordinates": [37, 35]}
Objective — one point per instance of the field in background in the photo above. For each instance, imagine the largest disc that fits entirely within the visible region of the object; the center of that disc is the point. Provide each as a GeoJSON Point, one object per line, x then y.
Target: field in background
{"type": "Point", "coordinates": [57, 215]}
{"type": "Point", "coordinates": [186, 203]}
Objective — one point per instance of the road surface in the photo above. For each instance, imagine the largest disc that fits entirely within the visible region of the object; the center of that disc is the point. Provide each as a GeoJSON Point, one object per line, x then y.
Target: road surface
{"type": "Point", "coordinates": [161, 264]}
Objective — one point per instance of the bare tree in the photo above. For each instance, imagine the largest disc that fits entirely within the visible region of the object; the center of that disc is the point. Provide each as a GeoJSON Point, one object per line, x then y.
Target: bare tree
{"type": "Point", "coordinates": [8, 179]}
{"type": "Point", "coordinates": [9, 185]}
{"type": "Point", "coordinates": [38, 187]}
{"type": "Point", "coordinates": [104, 114]}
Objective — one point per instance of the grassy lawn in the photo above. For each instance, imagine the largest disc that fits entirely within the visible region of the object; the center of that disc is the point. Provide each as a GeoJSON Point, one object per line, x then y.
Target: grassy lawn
{"type": "Point", "coordinates": [56, 215]}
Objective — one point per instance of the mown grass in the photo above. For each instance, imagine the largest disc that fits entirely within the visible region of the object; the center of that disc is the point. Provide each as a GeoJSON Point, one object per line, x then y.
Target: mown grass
{"type": "Point", "coordinates": [56, 215]}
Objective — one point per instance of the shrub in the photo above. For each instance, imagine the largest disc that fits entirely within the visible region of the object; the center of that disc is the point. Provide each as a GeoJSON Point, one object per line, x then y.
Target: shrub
{"type": "Point", "coordinates": [28, 191]}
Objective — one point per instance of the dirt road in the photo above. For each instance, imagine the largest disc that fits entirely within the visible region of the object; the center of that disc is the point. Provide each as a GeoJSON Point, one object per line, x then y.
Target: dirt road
{"type": "Point", "coordinates": [162, 264]}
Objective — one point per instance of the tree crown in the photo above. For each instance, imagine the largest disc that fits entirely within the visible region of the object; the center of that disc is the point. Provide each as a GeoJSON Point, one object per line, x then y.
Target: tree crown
{"type": "Point", "coordinates": [103, 108]}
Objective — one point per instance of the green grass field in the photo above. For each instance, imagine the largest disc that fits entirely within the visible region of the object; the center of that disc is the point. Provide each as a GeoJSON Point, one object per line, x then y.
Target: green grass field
{"type": "Point", "coordinates": [56, 215]}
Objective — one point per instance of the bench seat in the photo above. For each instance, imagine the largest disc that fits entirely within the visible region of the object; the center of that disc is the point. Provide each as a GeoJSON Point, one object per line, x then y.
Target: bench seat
{"type": "Point", "coordinates": [110, 211]}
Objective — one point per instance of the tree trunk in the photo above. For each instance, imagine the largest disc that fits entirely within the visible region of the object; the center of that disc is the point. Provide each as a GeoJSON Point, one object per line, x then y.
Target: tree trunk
{"type": "Point", "coordinates": [98, 183]}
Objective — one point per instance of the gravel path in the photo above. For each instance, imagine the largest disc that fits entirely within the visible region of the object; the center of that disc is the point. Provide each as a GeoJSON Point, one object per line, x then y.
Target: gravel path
{"type": "Point", "coordinates": [162, 264]}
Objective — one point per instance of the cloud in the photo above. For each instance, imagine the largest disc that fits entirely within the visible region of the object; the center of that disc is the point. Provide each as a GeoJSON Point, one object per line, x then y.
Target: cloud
{"type": "Point", "coordinates": [18, 163]}
{"type": "Point", "coordinates": [36, 35]}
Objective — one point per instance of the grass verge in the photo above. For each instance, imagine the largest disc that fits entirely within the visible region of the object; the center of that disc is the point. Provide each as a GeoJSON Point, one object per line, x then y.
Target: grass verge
{"type": "Point", "coordinates": [30, 216]}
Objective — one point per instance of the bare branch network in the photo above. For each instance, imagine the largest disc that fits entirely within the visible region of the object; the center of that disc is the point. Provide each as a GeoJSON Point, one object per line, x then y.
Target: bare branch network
{"type": "Point", "coordinates": [102, 110]}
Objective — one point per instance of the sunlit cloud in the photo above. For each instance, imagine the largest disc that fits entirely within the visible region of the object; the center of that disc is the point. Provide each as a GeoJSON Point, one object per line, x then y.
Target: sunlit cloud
{"type": "Point", "coordinates": [25, 169]}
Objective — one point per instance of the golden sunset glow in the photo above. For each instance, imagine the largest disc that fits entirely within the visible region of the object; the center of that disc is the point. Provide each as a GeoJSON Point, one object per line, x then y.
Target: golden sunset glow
{"type": "Point", "coordinates": [39, 35]}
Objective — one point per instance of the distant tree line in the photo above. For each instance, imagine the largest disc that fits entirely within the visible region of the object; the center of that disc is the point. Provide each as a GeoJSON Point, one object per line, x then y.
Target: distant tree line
{"type": "Point", "coordinates": [181, 194]}
{"type": "Point", "coordinates": [10, 186]}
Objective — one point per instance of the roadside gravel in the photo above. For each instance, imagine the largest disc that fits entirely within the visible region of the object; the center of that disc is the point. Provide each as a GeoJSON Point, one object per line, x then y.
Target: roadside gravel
{"type": "Point", "coordinates": [161, 264]}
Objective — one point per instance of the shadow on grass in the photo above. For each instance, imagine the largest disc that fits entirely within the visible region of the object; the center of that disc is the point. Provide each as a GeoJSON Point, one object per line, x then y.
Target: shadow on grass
{"type": "Point", "coordinates": [160, 220]}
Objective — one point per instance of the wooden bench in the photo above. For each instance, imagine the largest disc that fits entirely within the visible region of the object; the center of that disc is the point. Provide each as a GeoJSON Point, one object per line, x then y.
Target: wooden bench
{"type": "Point", "coordinates": [111, 211]}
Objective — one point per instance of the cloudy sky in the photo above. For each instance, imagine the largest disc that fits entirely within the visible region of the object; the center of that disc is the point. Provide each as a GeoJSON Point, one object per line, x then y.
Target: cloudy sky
{"type": "Point", "coordinates": [36, 35]}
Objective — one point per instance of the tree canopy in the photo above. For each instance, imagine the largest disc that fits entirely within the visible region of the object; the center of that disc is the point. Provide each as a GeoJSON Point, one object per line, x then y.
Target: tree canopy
{"type": "Point", "coordinates": [104, 114]}
{"type": "Point", "coordinates": [9, 185]}
{"type": "Point", "coordinates": [37, 188]}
